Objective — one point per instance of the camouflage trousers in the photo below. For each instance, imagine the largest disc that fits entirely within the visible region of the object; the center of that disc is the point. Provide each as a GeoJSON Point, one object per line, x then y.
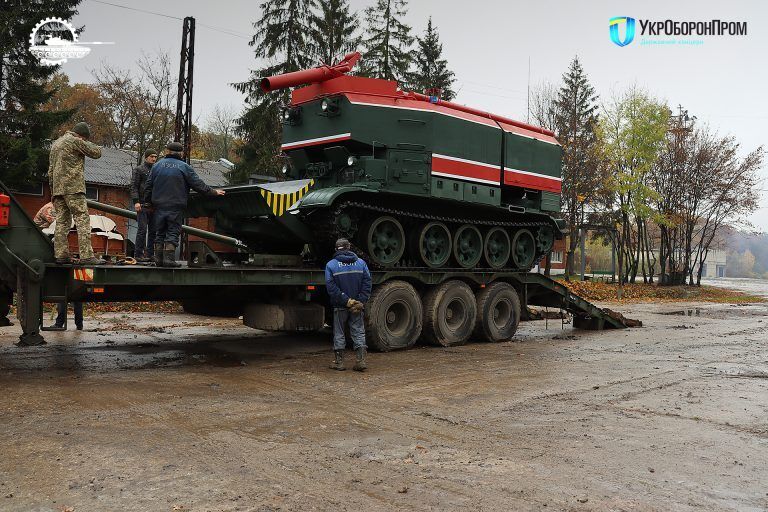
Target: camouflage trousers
{"type": "Point", "coordinates": [68, 207]}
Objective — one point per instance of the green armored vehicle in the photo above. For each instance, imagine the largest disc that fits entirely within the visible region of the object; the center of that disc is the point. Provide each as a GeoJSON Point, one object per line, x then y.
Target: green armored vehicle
{"type": "Point", "coordinates": [411, 180]}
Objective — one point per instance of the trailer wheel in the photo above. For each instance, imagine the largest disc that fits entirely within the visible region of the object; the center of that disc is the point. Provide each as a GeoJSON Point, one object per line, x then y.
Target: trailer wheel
{"type": "Point", "coordinates": [393, 317]}
{"type": "Point", "coordinates": [498, 312]}
{"type": "Point", "coordinates": [211, 308]}
{"type": "Point", "coordinates": [449, 314]}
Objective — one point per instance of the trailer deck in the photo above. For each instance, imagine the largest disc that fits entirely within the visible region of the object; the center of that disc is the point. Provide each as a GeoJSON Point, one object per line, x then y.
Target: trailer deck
{"type": "Point", "coordinates": [27, 269]}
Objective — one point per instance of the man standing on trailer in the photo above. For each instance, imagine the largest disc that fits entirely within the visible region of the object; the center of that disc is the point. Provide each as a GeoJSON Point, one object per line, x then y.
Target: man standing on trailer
{"type": "Point", "coordinates": [66, 174]}
{"type": "Point", "coordinates": [145, 234]}
{"type": "Point", "coordinates": [348, 282]}
{"type": "Point", "coordinates": [168, 187]}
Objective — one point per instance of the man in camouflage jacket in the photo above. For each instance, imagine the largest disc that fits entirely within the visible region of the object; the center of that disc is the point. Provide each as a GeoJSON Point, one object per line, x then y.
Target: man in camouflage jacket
{"type": "Point", "coordinates": [67, 180]}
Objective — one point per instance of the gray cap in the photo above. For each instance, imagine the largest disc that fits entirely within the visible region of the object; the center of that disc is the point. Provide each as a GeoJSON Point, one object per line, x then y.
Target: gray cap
{"type": "Point", "coordinates": [149, 152]}
{"type": "Point", "coordinates": [82, 129]}
{"type": "Point", "coordinates": [342, 244]}
{"type": "Point", "coordinates": [174, 146]}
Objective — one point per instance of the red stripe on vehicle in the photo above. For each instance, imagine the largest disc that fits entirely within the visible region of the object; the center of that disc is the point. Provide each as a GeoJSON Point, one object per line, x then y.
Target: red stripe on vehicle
{"type": "Point", "coordinates": [466, 169]}
{"type": "Point", "coordinates": [533, 180]}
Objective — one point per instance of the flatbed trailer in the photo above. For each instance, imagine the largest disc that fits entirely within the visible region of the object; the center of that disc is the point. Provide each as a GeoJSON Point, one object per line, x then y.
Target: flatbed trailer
{"type": "Point", "coordinates": [446, 306]}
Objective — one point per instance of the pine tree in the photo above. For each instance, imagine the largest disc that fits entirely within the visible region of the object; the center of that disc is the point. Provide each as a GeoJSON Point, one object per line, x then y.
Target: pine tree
{"type": "Point", "coordinates": [431, 69]}
{"type": "Point", "coordinates": [388, 46]}
{"type": "Point", "coordinates": [283, 38]}
{"type": "Point", "coordinates": [576, 120]}
{"type": "Point", "coordinates": [333, 30]}
{"type": "Point", "coordinates": [24, 126]}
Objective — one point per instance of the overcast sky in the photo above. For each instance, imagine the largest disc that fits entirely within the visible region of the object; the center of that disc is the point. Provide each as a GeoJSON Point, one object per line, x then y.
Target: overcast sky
{"type": "Point", "coordinates": [488, 45]}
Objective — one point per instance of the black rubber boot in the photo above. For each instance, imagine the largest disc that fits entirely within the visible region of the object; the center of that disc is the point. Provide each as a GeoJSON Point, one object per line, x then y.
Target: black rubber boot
{"type": "Point", "coordinates": [158, 256]}
{"type": "Point", "coordinates": [360, 364]}
{"type": "Point", "coordinates": [338, 361]}
{"type": "Point", "coordinates": [169, 255]}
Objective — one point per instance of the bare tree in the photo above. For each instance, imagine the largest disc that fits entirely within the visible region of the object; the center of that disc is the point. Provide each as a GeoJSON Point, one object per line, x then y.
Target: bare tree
{"type": "Point", "coordinates": [221, 125]}
{"type": "Point", "coordinates": [542, 105]}
{"type": "Point", "coordinates": [140, 104]}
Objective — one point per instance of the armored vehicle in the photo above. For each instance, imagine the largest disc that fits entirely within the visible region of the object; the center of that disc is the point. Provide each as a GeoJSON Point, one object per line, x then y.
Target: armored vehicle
{"type": "Point", "coordinates": [412, 180]}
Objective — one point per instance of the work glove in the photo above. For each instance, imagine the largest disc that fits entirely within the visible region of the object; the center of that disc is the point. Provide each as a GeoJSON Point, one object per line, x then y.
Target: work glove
{"type": "Point", "coordinates": [357, 307]}
{"type": "Point", "coordinates": [350, 302]}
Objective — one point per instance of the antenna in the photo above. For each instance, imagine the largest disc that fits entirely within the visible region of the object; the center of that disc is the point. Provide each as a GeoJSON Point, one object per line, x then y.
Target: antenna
{"type": "Point", "coordinates": [528, 117]}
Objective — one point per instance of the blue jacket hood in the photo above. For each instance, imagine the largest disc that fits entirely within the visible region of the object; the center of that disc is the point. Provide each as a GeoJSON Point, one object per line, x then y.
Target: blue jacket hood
{"type": "Point", "coordinates": [345, 256]}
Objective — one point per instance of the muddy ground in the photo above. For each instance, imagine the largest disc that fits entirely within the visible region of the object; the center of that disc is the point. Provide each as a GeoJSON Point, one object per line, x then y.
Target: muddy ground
{"type": "Point", "coordinates": [174, 412]}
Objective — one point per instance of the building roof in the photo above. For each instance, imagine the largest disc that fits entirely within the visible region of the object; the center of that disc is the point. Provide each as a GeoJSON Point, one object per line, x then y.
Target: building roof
{"type": "Point", "coordinates": [115, 167]}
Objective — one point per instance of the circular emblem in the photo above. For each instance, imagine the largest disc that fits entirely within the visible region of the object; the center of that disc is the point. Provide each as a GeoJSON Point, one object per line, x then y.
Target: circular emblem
{"type": "Point", "coordinates": [53, 41]}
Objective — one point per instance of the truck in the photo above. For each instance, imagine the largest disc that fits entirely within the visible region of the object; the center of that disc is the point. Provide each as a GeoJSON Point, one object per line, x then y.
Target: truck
{"type": "Point", "coordinates": [450, 206]}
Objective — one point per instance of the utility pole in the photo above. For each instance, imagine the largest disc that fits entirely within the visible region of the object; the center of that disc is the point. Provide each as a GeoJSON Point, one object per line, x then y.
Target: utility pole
{"type": "Point", "coordinates": [183, 131]}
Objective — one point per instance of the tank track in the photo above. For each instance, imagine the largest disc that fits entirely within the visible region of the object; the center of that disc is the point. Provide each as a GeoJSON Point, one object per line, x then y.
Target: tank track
{"type": "Point", "coordinates": [326, 228]}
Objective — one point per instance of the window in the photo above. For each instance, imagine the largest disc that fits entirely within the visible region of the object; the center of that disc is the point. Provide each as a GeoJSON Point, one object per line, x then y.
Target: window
{"type": "Point", "coordinates": [92, 192]}
{"type": "Point", "coordinates": [556, 257]}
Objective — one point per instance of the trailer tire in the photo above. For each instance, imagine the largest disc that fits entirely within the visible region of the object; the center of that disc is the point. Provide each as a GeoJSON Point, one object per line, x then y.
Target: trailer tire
{"type": "Point", "coordinates": [211, 308]}
{"type": "Point", "coordinates": [393, 317]}
{"type": "Point", "coordinates": [498, 312]}
{"type": "Point", "coordinates": [450, 311]}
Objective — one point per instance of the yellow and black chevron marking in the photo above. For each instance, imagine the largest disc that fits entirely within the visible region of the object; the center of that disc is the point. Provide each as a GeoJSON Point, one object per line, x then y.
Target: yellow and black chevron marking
{"type": "Point", "coordinates": [279, 203]}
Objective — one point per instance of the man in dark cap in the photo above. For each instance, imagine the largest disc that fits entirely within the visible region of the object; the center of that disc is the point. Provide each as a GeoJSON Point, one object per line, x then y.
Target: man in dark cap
{"type": "Point", "coordinates": [145, 235]}
{"type": "Point", "coordinates": [66, 174]}
{"type": "Point", "coordinates": [168, 189]}
{"type": "Point", "coordinates": [348, 282]}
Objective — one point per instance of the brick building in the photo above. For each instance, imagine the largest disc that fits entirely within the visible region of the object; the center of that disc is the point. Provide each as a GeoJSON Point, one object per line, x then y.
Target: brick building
{"type": "Point", "coordinates": [108, 180]}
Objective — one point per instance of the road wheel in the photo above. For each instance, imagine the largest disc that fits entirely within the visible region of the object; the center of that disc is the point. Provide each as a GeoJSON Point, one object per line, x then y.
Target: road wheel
{"type": "Point", "coordinates": [496, 247]}
{"type": "Point", "coordinates": [393, 317]}
{"type": "Point", "coordinates": [449, 314]}
{"type": "Point", "coordinates": [523, 249]}
{"type": "Point", "coordinates": [385, 241]}
{"type": "Point", "coordinates": [467, 246]}
{"type": "Point", "coordinates": [498, 312]}
{"type": "Point", "coordinates": [432, 244]}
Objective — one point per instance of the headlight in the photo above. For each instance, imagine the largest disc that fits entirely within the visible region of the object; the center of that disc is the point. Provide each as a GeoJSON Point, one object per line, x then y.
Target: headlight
{"type": "Point", "coordinates": [285, 168]}
{"type": "Point", "coordinates": [292, 116]}
{"type": "Point", "coordinates": [352, 160]}
{"type": "Point", "coordinates": [330, 107]}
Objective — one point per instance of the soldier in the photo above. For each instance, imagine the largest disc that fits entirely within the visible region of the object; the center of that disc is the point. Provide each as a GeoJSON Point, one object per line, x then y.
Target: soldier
{"type": "Point", "coordinates": [67, 180]}
{"type": "Point", "coordinates": [168, 187]}
{"type": "Point", "coordinates": [145, 235]}
{"type": "Point", "coordinates": [348, 282]}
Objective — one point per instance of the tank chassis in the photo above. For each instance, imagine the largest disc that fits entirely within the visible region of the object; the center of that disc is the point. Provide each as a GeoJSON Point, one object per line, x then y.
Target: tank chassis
{"type": "Point", "coordinates": [415, 181]}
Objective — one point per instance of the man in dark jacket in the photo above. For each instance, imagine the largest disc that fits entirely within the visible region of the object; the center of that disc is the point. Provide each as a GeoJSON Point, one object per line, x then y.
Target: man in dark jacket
{"type": "Point", "coordinates": [145, 236]}
{"type": "Point", "coordinates": [348, 282]}
{"type": "Point", "coordinates": [168, 187]}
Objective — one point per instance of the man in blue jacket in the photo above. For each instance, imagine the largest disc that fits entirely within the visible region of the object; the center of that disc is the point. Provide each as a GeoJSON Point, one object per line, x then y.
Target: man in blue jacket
{"type": "Point", "coordinates": [168, 189]}
{"type": "Point", "coordinates": [348, 282]}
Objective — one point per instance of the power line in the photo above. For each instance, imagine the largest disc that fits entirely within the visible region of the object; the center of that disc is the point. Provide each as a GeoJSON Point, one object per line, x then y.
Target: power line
{"type": "Point", "coordinates": [211, 27]}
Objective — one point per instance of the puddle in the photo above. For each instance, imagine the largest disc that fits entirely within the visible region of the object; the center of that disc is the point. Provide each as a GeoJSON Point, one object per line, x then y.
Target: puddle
{"type": "Point", "coordinates": [684, 312]}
